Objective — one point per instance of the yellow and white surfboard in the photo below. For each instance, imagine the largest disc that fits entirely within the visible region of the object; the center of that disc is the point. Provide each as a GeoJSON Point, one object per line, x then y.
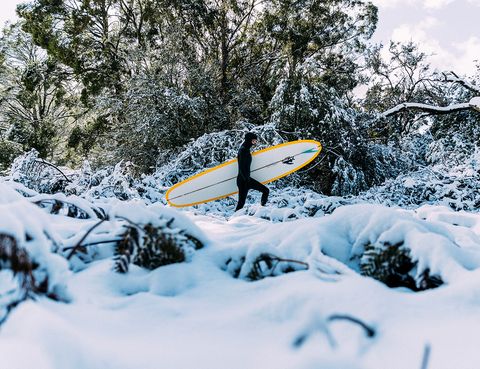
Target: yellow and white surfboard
{"type": "Point", "coordinates": [221, 181]}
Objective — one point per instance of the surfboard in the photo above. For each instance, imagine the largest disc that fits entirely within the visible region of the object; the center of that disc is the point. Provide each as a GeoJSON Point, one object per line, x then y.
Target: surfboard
{"type": "Point", "coordinates": [267, 166]}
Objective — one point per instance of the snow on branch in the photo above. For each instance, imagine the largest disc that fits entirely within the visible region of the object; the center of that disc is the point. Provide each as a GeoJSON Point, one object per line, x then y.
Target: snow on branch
{"type": "Point", "coordinates": [425, 108]}
{"type": "Point", "coordinates": [474, 103]}
{"type": "Point", "coordinates": [435, 110]}
{"type": "Point", "coordinates": [453, 77]}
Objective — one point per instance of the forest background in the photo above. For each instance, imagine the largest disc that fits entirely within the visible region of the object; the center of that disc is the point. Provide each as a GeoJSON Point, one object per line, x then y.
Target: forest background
{"type": "Point", "coordinates": [143, 82]}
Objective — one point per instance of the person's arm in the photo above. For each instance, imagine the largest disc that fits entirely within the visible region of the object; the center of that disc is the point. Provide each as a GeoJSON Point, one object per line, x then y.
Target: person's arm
{"type": "Point", "coordinates": [243, 164]}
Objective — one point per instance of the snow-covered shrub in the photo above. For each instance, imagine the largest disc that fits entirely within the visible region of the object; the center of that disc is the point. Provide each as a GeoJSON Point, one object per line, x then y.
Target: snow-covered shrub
{"type": "Point", "coordinates": [28, 265]}
{"type": "Point", "coordinates": [453, 150]}
{"type": "Point", "coordinates": [315, 111]}
{"type": "Point", "coordinates": [393, 265]}
{"type": "Point", "coordinates": [153, 245]}
{"type": "Point", "coordinates": [154, 117]}
{"type": "Point", "coordinates": [84, 179]}
{"type": "Point", "coordinates": [152, 236]}
{"type": "Point", "coordinates": [348, 179]}
{"type": "Point", "coordinates": [117, 182]}
{"type": "Point", "coordinates": [9, 150]}
{"type": "Point", "coordinates": [31, 176]}
{"type": "Point", "coordinates": [37, 174]}
{"type": "Point", "coordinates": [285, 203]}
{"type": "Point", "coordinates": [352, 161]}
{"type": "Point", "coordinates": [268, 265]}
{"type": "Point", "coordinates": [446, 184]}
{"type": "Point", "coordinates": [212, 149]}
{"type": "Point", "coordinates": [262, 266]}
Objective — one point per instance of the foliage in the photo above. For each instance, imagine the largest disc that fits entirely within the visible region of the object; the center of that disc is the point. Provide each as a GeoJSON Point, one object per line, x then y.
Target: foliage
{"type": "Point", "coordinates": [16, 261]}
{"type": "Point", "coordinates": [453, 183]}
{"type": "Point", "coordinates": [28, 266]}
{"type": "Point", "coordinates": [153, 245]}
{"type": "Point", "coordinates": [155, 74]}
{"type": "Point", "coordinates": [403, 76]}
{"type": "Point", "coordinates": [37, 174]}
{"type": "Point", "coordinates": [9, 150]}
{"type": "Point", "coordinates": [392, 265]}
{"type": "Point", "coordinates": [154, 119]}
{"type": "Point", "coordinates": [37, 100]}
{"type": "Point", "coordinates": [262, 266]}
{"type": "Point", "coordinates": [268, 265]}
{"type": "Point", "coordinates": [212, 149]}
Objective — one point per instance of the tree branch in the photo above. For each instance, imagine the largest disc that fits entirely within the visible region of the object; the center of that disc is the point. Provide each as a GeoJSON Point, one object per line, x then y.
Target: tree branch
{"type": "Point", "coordinates": [435, 110]}
{"type": "Point", "coordinates": [453, 77]}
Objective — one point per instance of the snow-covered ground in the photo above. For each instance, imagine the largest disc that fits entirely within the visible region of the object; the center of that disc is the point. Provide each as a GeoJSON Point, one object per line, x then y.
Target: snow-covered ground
{"type": "Point", "coordinates": [207, 312]}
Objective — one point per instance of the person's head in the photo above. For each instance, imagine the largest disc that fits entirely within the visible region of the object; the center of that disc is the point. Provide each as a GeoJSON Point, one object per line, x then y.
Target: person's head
{"type": "Point", "coordinates": [251, 138]}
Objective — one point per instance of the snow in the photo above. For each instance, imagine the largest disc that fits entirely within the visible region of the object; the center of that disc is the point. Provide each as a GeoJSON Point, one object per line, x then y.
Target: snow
{"type": "Point", "coordinates": [207, 313]}
{"type": "Point", "coordinates": [404, 106]}
{"type": "Point", "coordinates": [475, 103]}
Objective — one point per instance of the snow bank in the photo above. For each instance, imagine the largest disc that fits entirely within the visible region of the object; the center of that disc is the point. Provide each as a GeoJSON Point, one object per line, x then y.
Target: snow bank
{"type": "Point", "coordinates": [437, 242]}
{"type": "Point", "coordinates": [28, 264]}
{"type": "Point", "coordinates": [222, 308]}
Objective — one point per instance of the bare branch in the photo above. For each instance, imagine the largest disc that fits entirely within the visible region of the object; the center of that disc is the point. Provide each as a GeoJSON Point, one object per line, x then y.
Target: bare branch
{"type": "Point", "coordinates": [453, 77]}
{"type": "Point", "coordinates": [42, 161]}
{"type": "Point", "coordinates": [79, 243]}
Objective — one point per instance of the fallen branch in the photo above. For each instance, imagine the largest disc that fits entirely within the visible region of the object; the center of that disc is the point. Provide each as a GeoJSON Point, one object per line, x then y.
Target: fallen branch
{"type": "Point", "coordinates": [369, 331]}
{"type": "Point", "coordinates": [271, 261]}
{"type": "Point", "coordinates": [78, 245]}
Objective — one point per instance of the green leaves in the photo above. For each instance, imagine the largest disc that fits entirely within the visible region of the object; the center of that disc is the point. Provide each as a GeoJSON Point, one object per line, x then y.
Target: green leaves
{"type": "Point", "coordinates": [35, 95]}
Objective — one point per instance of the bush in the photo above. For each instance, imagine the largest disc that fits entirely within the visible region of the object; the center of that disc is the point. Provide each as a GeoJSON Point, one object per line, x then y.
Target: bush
{"type": "Point", "coordinates": [9, 150]}
{"type": "Point", "coordinates": [153, 245]}
{"type": "Point", "coordinates": [392, 265]}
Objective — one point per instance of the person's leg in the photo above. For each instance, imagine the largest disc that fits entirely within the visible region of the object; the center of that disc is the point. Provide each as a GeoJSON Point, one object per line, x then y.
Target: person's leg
{"type": "Point", "coordinates": [242, 194]}
{"type": "Point", "coordinates": [255, 185]}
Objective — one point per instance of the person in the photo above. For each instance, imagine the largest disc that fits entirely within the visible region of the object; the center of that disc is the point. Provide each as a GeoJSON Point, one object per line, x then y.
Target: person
{"type": "Point", "coordinates": [244, 181]}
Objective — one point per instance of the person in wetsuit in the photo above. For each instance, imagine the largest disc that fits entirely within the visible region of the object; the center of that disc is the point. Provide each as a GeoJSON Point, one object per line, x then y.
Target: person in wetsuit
{"type": "Point", "coordinates": [244, 181]}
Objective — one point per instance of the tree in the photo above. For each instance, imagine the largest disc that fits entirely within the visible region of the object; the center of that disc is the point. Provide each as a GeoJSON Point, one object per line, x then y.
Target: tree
{"type": "Point", "coordinates": [91, 37]}
{"type": "Point", "coordinates": [37, 98]}
{"type": "Point", "coordinates": [403, 75]}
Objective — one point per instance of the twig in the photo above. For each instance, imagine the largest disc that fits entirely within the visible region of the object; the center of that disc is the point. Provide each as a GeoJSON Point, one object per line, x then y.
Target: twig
{"type": "Point", "coordinates": [77, 246]}
{"type": "Point", "coordinates": [42, 161]}
{"type": "Point", "coordinates": [313, 166]}
{"type": "Point", "coordinates": [128, 221]}
{"type": "Point", "coordinates": [92, 244]}
{"type": "Point", "coordinates": [426, 356]}
{"type": "Point", "coordinates": [278, 260]}
{"type": "Point", "coordinates": [370, 332]}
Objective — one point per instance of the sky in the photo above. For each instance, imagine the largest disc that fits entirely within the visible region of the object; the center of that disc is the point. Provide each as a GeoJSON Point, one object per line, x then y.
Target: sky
{"type": "Point", "coordinates": [446, 29]}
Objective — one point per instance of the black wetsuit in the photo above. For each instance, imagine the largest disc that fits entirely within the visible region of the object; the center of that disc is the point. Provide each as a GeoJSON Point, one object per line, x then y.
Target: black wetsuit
{"type": "Point", "coordinates": [244, 181]}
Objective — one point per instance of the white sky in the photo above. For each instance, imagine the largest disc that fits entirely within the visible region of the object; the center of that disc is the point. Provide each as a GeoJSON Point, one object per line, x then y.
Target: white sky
{"type": "Point", "coordinates": [448, 29]}
{"type": "Point", "coordinates": [445, 28]}
{"type": "Point", "coordinates": [7, 10]}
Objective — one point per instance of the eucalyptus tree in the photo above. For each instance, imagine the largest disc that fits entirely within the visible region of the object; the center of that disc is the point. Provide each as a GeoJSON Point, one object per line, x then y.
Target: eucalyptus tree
{"type": "Point", "coordinates": [37, 98]}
